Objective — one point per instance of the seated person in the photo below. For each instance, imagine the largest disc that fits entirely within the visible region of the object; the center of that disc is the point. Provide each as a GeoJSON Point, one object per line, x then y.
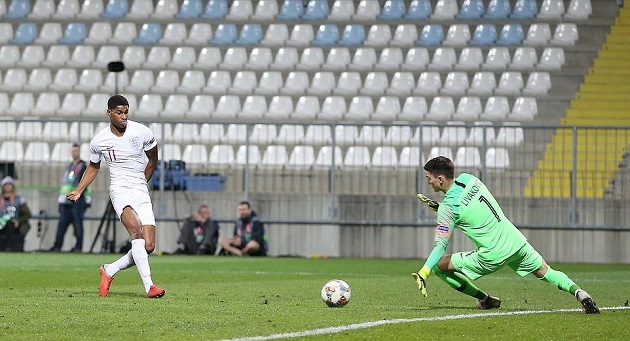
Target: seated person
{"type": "Point", "coordinates": [199, 234]}
{"type": "Point", "coordinates": [249, 234]}
{"type": "Point", "coordinates": [14, 217]}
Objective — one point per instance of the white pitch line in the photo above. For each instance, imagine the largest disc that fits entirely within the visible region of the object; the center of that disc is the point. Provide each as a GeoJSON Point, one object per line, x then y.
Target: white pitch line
{"type": "Point", "coordinates": [332, 330]}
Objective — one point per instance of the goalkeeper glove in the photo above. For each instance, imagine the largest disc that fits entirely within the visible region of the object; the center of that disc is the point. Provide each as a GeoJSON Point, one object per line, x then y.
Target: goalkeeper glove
{"type": "Point", "coordinates": [432, 204]}
{"type": "Point", "coordinates": [421, 278]}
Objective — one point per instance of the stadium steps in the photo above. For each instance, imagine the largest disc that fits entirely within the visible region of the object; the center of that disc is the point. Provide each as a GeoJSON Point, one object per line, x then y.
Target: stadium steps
{"type": "Point", "coordinates": [602, 100]}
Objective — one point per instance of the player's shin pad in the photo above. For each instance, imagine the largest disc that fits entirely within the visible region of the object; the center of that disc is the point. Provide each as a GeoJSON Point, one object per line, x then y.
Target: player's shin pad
{"type": "Point", "coordinates": [432, 204]}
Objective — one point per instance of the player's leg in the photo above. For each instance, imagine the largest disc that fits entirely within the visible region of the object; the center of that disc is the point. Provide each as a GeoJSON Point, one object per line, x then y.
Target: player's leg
{"type": "Point", "coordinates": [456, 269]}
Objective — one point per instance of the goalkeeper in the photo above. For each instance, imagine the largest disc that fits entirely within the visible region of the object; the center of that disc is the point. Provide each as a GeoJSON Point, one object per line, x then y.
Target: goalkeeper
{"type": "Point", "coordinates": [469, 206]}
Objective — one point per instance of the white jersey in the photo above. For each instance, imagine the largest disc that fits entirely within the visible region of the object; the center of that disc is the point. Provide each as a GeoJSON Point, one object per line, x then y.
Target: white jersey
{"type": "Point", "coordinates": [125, 155]}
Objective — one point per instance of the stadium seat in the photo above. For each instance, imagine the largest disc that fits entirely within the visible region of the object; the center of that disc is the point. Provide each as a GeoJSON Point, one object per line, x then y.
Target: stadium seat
{"type": "Point", "coordinates": [166, 82]}
{"type": "Point", "coordinates": [511, 35]}
{"type": "Point", "coordinates": [457, 35]}
{"type": "Point", "coordinates": [443, 59]}
{"type": "Point", "coordinates": [18, 9]}
{"type": "Point", "coordinates": [75, 34]}
{"type": "Point", "coordinates": [413, 110]}
{"type": "Point", "coordinates": [263, 134]}
{"type": "Point", "coordinates": [510, 134]}
{"type": "Point", "coordinates": [9, 55]}
{"type": "Point", "coordinates": [322, 83]}
{"type": "Point", "coordinates": [333, 109]}
{"type": "Point", "coordinates": [240, 10]}
{"type": "Point", "coordinates": [260, 58]}
{"type": "Point", "coordinates": [21, 104]}
{"type": "Point", "coordinates": [165, 10]}
{"type": "Point", "coordinates": [100, 33]}
{"type": "Point", "coordinates": [55, 131]}
{"type": "Point", "coordinates": [302, 156]}
{"type": "Point", "coordinates": [538, 83]}
{"type": "Point", "coordinates": [221, 155]}
{"type": "Point", "coordinates": [116, 9]}
{"type": "Point", "coordinates": [552, 58]}
{"type": "Point", "coordinates": [25, 34]}
{"type": "Point", "coordinates": [7, 126]}
{"type": "Point", "coordinates": [467, 157]}
{"type": "Point", "coordinates": [6, 32]}
{"type": "Point", "coordinates": [42, 9]}
{"type": "Point", "coordinates": [410, 156]}
{"type": "Point", "coordinates": [67, 9]}
{"type": "Point", "coordinates": [524, 109]}
{"type": "Point", "coordinates": [498, 58]}
{"type": "Point", "coordinates": [94, 107]}
{"type": "Point", "coordinates": [367, 10]}
{"type": "Point", "coordinates": [471, 9]}
{"type": "Point", "coordinates": [171, 151]}
{"type": "Point", "coordinates": [37, 152]}
{"type": "Point", "coordinates": [265, 10]}
{"type": "Point", "coordinates": [280, 108]}
{"type": "Point", "coordinates": [301, 35]}
{"type": "Point", "coordinates": [524, 9]}
{"type": "Point", "coordinates": [270, 83]}
{"type": "Point", "coordinates": [316, 10]}
{"type": "Point", "coordinates": [538, 34]}
{"type": "Point", "coordinates": [208, 59]}
{"type": "Point", "coordinates": [360, 109]}
{"type": "Point", "coordinates": [470, 59]}
{"type": "Point", "coordinates": [91, 10]}
{"type": "Point", "coordinates": [190, 9]}
{"type": "Point", "coordinates": [47, 105]}
{"type": "Point", "coordinates": [551, 10]}
{"type": "Point", "coordinates": [453, 135]}
{"type": "Point", "coordinates": [496, 109]}
{"type": "Point", "coordinates": [14, 80]}
{"type": "Point", "coordinates": [312, 58]}
{"type": "Point", "coordinates": [565, 34]}
{"type": "Point", "coordinates": [150, 34]}
{"type": "Point", "coordinates": [73, 104]}
{"type": "Point", "coordinates": [291, 10]}
{"type": "Point", "coordinates": [199, 34]}
{"type": "Point", "coordinates": [511, 83]}
{"type": "Point", "coordinates": [134, 57]}
{"type": "Point", "coordinates": [174, 34]}
{"type": "Point", "coordinates": [498, 9]}
{"type": "Point", "coordinates": [12, 150]}
{"type": "Point", "coordinates": [402, 84]}
{"type": "Point", "coordinates": [215, 10]}
{"type": "Point", "coordinates": [201, 108]}
{"type": "Point", "coordinates": [375, 84]}
{"type": "Point", "coordinates": [184, 133]}
{"type": "Point", "coordinates": [254, 108]}
{"type": "Point", "coordinates": [429, 83]}
{"type": "Point", "coordinates": [89, 80]}
{"type": "Point", "coordinates": [306, 108]}
{"type": "Point", "coordinates": [183, 58]}
{"type": "Point", "coordinates": [295, 83]}
{"type": "Point", "coordinates": [141, 82]}
{"type": "Point", "coordinates": [49, 34]}
{"type": "Point", "coordinates": [58, 55]}
{"type": "Point", "coordinates": [317, 135]}
{"type": "Point", "coordinates": [247, 155]}
{"type": "Point", "coordinates": [124, 33]}
{"type": "Point", "coordinates": [114, 81]}
{"type": "Point", "coordinates": [404, 35]}
{"type": "Point", "coordinates": [439, 151]}
{"type": "Point", "coordinates": [579, 10]}
{"type": "Point", "coordinates": [393, 10]}
{"type": "Point", "coordinates": [290, 134]}
{"type": "Point", "coordinates": [352, 35]}
{"type": "Point", "coordinates": [445, 10]}
{"type": "Point", "coordinates": [225, 35]}
{"type": "Point", "coordinates": [431, 35]}
{"type": "Point", "coordinates": [483, 84]}
{"type": "Point", "coordinates": [338, 59]}
{"type": "Point", "coordinates": [364, 59]}
{"type": "Point", "coordinates": [195, 154]}
{"type": "Point", "coordinates": [417, 58]}
{"type": "Point", "coordinates": [455, 84]}
{"type": "Point", "coordinates": [371, 135]}
{"type": "Point", "coordinates": [234, 59]}
{"type": "Point", "coordinates": [348, 84]}
{"type": "Point", "coordinates": [327, 157]}
{"type": "Point", "coordinates": [442, 109]}
{"type": "Point", "coordinates": [218, 82]}
{"type": "Point", "coordinates": [390, 59]}
{"type": "Point", "coordinates": [419, 10]}
{"type": "Point", "coordinates": [211, 133]}
{"type": "Point", "coordinates": [80, 131]}
{"type": "Point", "coordinates": [468, 109]}
{"type": "Point", "coordinates": [524, 59]}
{"type": "Point", "coordinates": [341, 11]}
{"type": "Point", "coordinates": [327, 35]}
{"type": "Point", "coordinates": [357, 156]}
{"type": "Point", "coordinates": [481, 133]}
{"type": "Point", "coordinates": [227, 107]}
{"type": "Point", "coordinates": [59, 153]}
{"type": "Point", "coordinates": [251, 35]}
{"type": "Point", "coordinates": [32, 56]}
{"type": "Point", "coordinates": [399, 135]}
{"type": "Point", "coordinates": [497, 158]}
{"type": "Point", "coordinates": [484, 35]}
{"type": "Point", "coordinates": [387, 109]}
{"type": "Point", "coordinates": [84, 56]}
{"type": "Point", "coordinates": [275, 35]}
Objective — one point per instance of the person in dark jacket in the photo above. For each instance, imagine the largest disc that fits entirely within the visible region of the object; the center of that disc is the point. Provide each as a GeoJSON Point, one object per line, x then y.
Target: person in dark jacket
{"type": "Point", "coordinates": [249, 236]}
{"type": "Point", "coordinates": [199, 234]}
{"type": "Point", "coordinates": [14, 217]}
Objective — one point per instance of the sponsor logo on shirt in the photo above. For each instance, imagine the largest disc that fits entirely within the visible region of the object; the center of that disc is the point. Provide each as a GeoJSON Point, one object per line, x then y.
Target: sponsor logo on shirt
{"type": "Point", "coordinates": [442, 230]}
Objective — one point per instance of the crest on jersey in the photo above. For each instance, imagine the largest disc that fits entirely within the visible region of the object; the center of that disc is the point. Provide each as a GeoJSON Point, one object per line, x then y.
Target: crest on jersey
{"type": "Point", "coordinates": [135, 142]}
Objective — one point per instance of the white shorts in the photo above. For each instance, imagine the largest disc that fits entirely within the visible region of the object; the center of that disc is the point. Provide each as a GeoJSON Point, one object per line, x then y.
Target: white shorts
{"type": "Point", "coordinates": [138, 199]}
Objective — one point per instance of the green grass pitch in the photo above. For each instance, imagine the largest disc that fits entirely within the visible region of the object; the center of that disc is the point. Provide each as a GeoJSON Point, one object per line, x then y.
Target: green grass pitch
{"type": "Point", "coordinates": [55, 297]}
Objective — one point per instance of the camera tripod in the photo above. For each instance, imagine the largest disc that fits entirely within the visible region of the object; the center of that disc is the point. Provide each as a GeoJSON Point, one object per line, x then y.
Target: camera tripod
{"type": "Point", "coordinates": [108, 220]}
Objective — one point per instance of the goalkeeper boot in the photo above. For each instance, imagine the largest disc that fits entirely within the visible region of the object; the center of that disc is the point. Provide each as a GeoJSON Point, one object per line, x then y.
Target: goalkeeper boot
{"type": "Point", "coordinates": [106, 281]}
{"type": "Point", "coordinates": [155, 292]}
{"type": "Point", "coordinates": [490, 302]}
{"type": "Point", "coordinates": [588, 304]}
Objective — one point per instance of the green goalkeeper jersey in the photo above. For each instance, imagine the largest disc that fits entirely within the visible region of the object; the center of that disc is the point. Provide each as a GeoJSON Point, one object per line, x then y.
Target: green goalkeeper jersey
{"type": "Point", "coordinates": [469, 206]}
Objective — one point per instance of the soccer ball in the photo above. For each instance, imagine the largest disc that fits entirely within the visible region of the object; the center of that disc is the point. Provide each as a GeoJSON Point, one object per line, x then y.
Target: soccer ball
{"type": "Point", "coordinates": [336, 293]}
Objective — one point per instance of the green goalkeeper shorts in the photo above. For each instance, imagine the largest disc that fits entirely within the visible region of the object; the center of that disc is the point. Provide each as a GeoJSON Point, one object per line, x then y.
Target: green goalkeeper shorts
{"type": "Point", "coordinates": [525, 261]}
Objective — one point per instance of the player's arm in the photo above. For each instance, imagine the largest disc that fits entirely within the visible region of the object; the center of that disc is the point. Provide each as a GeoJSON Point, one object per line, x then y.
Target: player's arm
{"type": "Point", "coordinates": [88, 176]}
{"type": "Point", "coordinates": [152, 155]}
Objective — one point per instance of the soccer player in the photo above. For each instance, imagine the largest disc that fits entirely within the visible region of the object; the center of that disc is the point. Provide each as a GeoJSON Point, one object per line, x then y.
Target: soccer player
{"type": "Point", "coordinates": [469, 206]}
{"type": "Point", "coordinates": [130, 150]}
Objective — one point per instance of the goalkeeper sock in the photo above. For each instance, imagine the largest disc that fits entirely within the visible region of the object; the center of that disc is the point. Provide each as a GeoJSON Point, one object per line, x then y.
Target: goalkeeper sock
{"type": "Point", "coordinates": [141, 258]}
{"type": "Point", "coordinates": [460, 283]}
{"type": "Point", "coordinates": [121, 263]}
{"type": "Point", "coordinates": [560, 280]}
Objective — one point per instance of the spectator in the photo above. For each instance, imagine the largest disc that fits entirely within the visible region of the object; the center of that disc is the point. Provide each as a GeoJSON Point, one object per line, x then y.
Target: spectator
{"type": "Point", "coordinates": [14, 217]}
{"type": "Point", "coordinates": [249, 236]}
{"type": "Point", "coordinates": [199, 235]}
{"type": "Point", "coordinates": [72, 211]}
